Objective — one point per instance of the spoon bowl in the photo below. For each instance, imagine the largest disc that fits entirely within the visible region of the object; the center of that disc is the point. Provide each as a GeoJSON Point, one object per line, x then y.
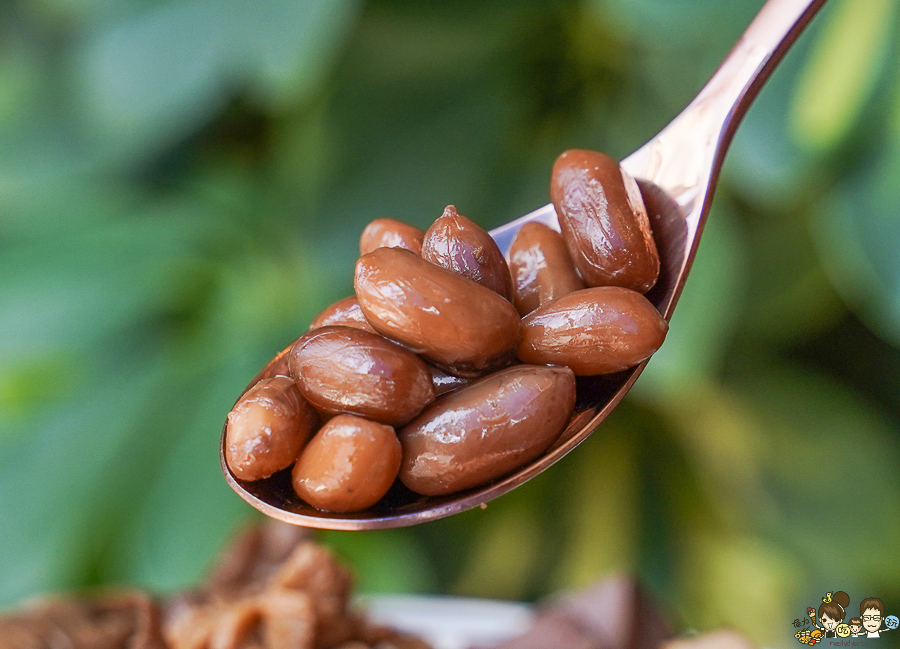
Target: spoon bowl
{"type": "Point", "coordinates": [677, 172]}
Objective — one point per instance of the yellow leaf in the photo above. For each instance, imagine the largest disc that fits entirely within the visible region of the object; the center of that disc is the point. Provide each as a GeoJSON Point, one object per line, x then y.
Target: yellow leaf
{"type": "Point", "coordinates": [603, 514]}
{"type": "Point", "coordinates": [841, 72]}
{"type": "Point", "coordinates": [504, 555]}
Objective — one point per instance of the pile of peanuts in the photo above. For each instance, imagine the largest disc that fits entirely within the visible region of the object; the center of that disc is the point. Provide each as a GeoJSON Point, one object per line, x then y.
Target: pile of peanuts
{"type": "Point", "coordinates": [451, 366]}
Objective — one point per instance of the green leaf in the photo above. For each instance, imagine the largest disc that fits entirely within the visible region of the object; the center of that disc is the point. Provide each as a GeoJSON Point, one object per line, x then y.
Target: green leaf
{"type": "Point", "coordinates": [602, 511]}
{"type": "Point", "coordinates": [25, 391]}
{"type": "Point", "coordinates": [842, 72]}
{"type": "Point", "coordinates": [20, 78]}
{"type": "Point", "coordinates": [84, 10]}
{"type": "Point", "coordinates": [664, 25]}
{"type": "Point", "coordinates": [492, 569]}
{"type": "Point", "coordinates": [856, 229]}
{"type": "Point", "coordinates": [52, 481]}
{"type": "Point", "coordinates": [294, 44]}
{"type": "Point", "coordinates": [185, 510]}
{"type": "Point", "coordinates": [789, 295]}
{"type": "Point", "coordinates": [723, 442]}
{"type": "Point", "coordinates": [724, 575]}
{"type": "Point", "coordinates": [827, 452]}
{"type": "Point", "coordinates": [384, 561]}
{"type": "Point", "coordinates": [763, 162]}
{"type": "Point", "coordinates": [154, 76]}
{"type": "Point", "coordinates": [783, 459]}
{"type": "Point", "coordinates": [79, 288]}
{"type": "Point", "coordinates": [34, 212]}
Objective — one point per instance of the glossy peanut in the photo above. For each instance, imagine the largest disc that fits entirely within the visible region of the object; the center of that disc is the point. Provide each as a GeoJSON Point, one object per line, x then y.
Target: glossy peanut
{"type": "Point", "coordinates": [541, 267]}
{"type": "Point", "coordinates": [458, 244]}
{"type": "Point", "coordinates": [347, 370]}
{"type": "Point", "coordinates": [604, 221]}
{"type": "Point", "coordinates": [388, 233]}
{"type": "Point", "coordinates": [593, 331]}
{"type": "Point", "coordinates": [267, 428]}
{"type": "Point", "coordinates": [448, 319]}
{"type": "Point", "coordinates": [349, 465]}
{"type": "Point", "coordinates": [344, 313]}
{"type": "Point", "coordinates": [445, 382]}
{"type": "Point", "coordinates": [486, 429]}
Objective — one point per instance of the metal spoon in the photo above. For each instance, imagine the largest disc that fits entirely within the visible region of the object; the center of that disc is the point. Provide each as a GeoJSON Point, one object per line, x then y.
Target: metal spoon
{"type": "Point", "coordinates": [677, 171]}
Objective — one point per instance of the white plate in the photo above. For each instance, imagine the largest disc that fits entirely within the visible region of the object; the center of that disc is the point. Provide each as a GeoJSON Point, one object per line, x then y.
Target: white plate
{"type": "Point", "coordinates": [451, 622]}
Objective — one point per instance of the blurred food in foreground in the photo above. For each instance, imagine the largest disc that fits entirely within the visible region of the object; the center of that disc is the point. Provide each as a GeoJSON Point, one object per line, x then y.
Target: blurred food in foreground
{"type": "Point", "coordinates": [126, 619]}
{"type": "Point", "coordinates": [273, 589]}
{"type": "Point", "coordinates": [613, 614]}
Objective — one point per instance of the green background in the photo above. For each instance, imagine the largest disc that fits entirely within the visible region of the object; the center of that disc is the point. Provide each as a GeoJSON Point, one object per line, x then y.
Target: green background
{"type": "Point", "coordinates": [182, 187]}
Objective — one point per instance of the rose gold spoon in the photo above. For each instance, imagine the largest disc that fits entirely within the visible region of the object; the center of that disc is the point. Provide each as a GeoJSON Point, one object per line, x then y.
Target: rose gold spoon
{"type": "Point", "coordinates": [677, 171]}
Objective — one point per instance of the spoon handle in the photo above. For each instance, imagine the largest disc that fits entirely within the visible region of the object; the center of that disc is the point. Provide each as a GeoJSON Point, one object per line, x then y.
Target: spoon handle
{"type": "Point", "coordinates": [684, 158]}
{"type": "Point", "coordinates": [757, 53]}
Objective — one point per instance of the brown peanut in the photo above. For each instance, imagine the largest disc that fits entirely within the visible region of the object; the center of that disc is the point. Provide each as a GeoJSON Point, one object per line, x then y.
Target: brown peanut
{"type": "Point", "coordinates": [344, 313]}
{"type": "Point", "coordinates": [604, 221]}
{"type": "Point", "coordinates": [541, 267]}
{"type": "Point", "coordinates": [347, 370]}
{"type": "Point", "coordinates": [486, 429]}
{"type": "Point", "coordinates": [388, 233]}
{"type": "Point", "coordinates": [458, 244]}
{"type": "Point", "coordinates": [593, 331]}
{"type": "Point", "coordinates": [448, 319]}
{"type": "Point", "coordinates": [349, 465]}
{"type": "Point", "coordinates": [267, 428]}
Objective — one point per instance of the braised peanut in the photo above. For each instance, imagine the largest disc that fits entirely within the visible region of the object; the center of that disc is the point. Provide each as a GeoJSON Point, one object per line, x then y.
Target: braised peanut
{"type": "Point", "coordinates": [486, 429]}
{"type": "Point", "coordinates": [349, 465]}
{"type": "Point", "coordinates": [345, 313]}
{"type": "Point", "coordinates": [388, 233]}
{"type": "Point", "coordinates": [267, 428]}
{"type": "Point", "coordinates": [450, 320]}
{"type": "Point", "coordinates": [593, 331]}
{"type": "Point", "coordinates": [423, 344]}
{"type": "Point", "coordinates": [456, 243]}
{"type": "Point", "coordinates": [541, 267]}
{"type": "Point", "coordinates": [351, 371]}
{"type": "Point", "coordinates": [604, 221]}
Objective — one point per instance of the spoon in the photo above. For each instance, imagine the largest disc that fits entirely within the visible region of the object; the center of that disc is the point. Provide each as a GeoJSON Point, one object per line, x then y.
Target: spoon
{"type": "Point", "coordinates": [677, 171]}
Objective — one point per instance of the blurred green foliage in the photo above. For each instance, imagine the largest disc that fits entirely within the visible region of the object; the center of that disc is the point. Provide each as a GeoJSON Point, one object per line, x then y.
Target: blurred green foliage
{"type": "Point", "coordinates": [182, 185]}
